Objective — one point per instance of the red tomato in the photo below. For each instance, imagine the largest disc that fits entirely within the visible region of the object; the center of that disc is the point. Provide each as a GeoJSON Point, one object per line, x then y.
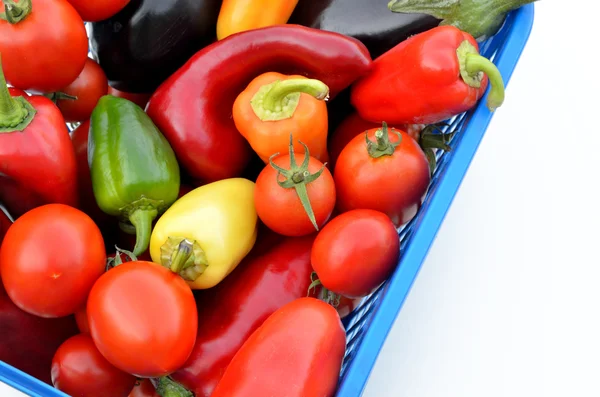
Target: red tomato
{"type": "Point", "coordinates": [353, 125]}
{"type": "Point", "coordinates": [143, 318]}
{"type": "Point", "coordinates": [394, 183]}
{"type": "Point", "coordinates": [79, 369]}
{"type": "Point", "coordinates": [139, 99]}
{"type": "Point", "coordinates": [356, 252]}
{"type": "Point", "coordinates": [50, 258]}
{"type": "Point", "coordinates": [144, 389]}
{"type": "Point", "coordinates": [17, 92]}
{"type": "Point", "coordinates": [281, 209]}
{"type": "Point", "coordinates": [98, 10]}
{"type": "Point", "coordinates": [47, 49]}
{"type": "Point", "coordinates": [82, 321]}
{"type": "Point", "coordinates": [88, 87]}
{"type": "Point", "coordinates": [297, 352]}
{"type": "Point", "coordinates": [29, 342]}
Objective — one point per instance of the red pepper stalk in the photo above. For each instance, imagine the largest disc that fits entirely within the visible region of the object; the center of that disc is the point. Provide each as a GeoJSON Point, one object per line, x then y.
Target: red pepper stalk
{"type": "Point", "coordinates": [37, 159]}
{"type": "Point", "coordinates": [427, 79]}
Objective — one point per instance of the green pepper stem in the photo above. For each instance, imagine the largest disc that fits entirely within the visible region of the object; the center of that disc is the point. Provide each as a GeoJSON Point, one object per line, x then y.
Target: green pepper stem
{"type": "Point", "coordinates": [15, 12]}
{"type": "Point", "coordinates": [15, 113]}
{"type": "Point", "coordinates": [475, 64]}
{"type": "Point", "coordinates": [184, 257]}
{"type": "Point", "coordinates": [166, 387]}
{"type": "Point", "coordinates": [279, 100]}
{"type": "Point", "coordinates": [382, 146]}
{"type": "Point", "coordinates": [142, 219]}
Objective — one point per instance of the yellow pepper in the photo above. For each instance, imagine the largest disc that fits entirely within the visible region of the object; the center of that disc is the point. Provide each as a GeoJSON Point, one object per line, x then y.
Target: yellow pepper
{"type": "Point", "coordinates": [205, 234]}
{"type": "Point", "coordinates": [242, 15]}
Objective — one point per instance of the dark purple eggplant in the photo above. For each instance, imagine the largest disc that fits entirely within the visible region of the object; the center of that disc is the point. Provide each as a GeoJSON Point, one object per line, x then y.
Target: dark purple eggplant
{"type": "Point", "coordinates": [149, 40]}
{"type": "Point", "coordinates": [369, 21]}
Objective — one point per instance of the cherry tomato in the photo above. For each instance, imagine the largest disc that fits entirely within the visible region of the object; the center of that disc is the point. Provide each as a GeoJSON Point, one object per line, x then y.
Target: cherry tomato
{"type": "Point", "coordinates": [139, 99]}
{"type": "Point", "coordinates": [98, 10]}
{"type": "Point", "coordinates": [79, 369]}
{"type": "Point", "coordinates": [355, 252]}
{"type": "Point", "coordinates": [297, 352]}
{"type": "Point", "coordinates": [143, 318]}
{"type": "Point", "coordinates": [88, 87]}
{"type": "Point", "coordinates": [144, 388]}
{"type": "Point", "coordinates": [353, 125]}
{"type": "Point", "coordinates": [47, 49]}
{"type": "Point", "coordinates": [50, 258]}
{"type": "Point", "coordinates": [281, 209]}
{"type": "Point", "coordinates": [391, 174]}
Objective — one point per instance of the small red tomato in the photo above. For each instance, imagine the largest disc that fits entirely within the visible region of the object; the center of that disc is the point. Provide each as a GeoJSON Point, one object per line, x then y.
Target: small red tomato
{"type": "Point", "coordinates": [389, 174]}
{"type": "Point", "coordinates": [305, 201]}
{"type": "Point", "coordinates": [143, 318]}
{"type": "Point", "coordinates": [46, 46]}
{"type": "Point", "coordinates": [98, 10]}
{"type": "Point", "coordinates": [139, 99]}
{"type": "Point", "coordinates": [79, 369]}
{"type": "Point", "coordinates": [355, 252]}
{"type": "Point", "coordinates": [50, 258]}
{"type": "Point", "coordinates": [144, 388]}
{"type": "Point", "coordinates": [297, 352]}
{"type": "Point", "coordinates": [88, 88]}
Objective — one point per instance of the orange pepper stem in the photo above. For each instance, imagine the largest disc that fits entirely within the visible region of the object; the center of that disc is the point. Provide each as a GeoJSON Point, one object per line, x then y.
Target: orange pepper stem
{"type": "Point", "coordinates": [472, 68]}
{"type": "Point", "coordinates": [382, 146]}
{"type": "Point", "coordinates": [279, 100]}
{"type": "Point", "coordinates": [297, 177]}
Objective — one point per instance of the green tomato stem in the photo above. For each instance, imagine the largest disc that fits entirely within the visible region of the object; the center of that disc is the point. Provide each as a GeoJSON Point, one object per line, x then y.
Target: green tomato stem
{"type": "Point", "coordinates": [382, 146]}
{"type": "Point", "coordinates": [169, 388]}
{"type": "Point", "coordinates": [15, 12]}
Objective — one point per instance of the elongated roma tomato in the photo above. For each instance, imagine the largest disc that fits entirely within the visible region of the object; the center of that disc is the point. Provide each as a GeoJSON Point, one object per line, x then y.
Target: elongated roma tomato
{"type": "Point", "coordinates": [79, 369]}
{"type": "Point", "coordinates": [143, 318]}
{"type": "Point", "coordinates": [383, 170]}
{"type": "Point", "coordinates": [44, 46]}
{"type": "Point", "coordinates": [297, 352]}
{"type": "Point", "coordinates": [50, 258]}
{"type": "Point", "coordinates": [355, 252]}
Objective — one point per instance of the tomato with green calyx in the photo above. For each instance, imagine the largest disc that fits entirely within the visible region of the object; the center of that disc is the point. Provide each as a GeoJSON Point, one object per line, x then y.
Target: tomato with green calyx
{"type": "Point", "coordinates": [356, 252]}
{"type": "Point", "coordinates": [383, 170]}
{"type": "Point", "coordinates": [50, 259]}
{"type": "Point", "coordinates": [143, 318]}
{"type": "Point", "coordinates": [77, 100]}
{"type": "Point", "coordinates": [298, 200]}
{"type": "Point", "coordinates": [43, 44]}
{"type": "Point", "coordinates": [79, 369]}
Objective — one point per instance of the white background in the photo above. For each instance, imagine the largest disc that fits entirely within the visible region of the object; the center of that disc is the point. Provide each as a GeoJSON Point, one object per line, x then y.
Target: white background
{"type": "Point", "coordinates": [508, 301]}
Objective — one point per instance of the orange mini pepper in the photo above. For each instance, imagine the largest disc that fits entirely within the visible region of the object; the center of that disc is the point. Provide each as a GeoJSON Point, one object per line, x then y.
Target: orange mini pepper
{"type": "Point", "coordinates": [241, 15]}
{"type": "Point", "coordinates": [274, 105]}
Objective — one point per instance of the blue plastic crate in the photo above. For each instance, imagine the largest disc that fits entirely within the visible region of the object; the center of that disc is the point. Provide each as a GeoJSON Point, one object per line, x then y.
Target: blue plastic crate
{"type": "Point", "coordinates": [367, 327]}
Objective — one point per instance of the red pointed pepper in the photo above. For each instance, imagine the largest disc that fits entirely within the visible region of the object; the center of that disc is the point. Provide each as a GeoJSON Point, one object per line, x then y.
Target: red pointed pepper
{"type": "Point", "coordinates": [235, 308]}
{"type": "Point", "coordinates": [193, 108]}
{"type": "Point", "coordinates": [427, 79]}
{"type": "Point", "coordinates": [37, 159]}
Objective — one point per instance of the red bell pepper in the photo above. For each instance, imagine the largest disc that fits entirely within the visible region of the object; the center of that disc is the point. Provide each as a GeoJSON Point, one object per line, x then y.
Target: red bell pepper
{"type": "Point", "coordinates": [193, 108]}
{"type": "Point", "coordinates": [37, 160]}
{"type": "Point", "coordinates": [29, 342]}
{"type": "Point", "coordinates": [427, 79]}
{"type": "Point", "coordinates": [297, 352]}
{"type": "Point", "coordinates": [231, 311]}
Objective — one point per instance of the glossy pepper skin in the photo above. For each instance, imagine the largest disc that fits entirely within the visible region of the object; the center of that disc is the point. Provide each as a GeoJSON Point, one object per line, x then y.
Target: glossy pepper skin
{"type": "Point", "coordinates": [274, 105]}
{"type": "Point", "coordinates": [231, 311]}
{"type": "Point", "coordinates": [37, 160]}
{"type": "Point", "coordinates": [134, 172]}
{"type": "Point", "coordinates": [147, 41]}
{"type": "Point", "coordinates": [193, 108]}
{"type": "Point", "coordinates": [207, 232]}
{"type": "Point", "coordinates": [427, 79]}
{"type": "Point", "coordinates": [366, 20]}
{"type": "Point", "coordinates": [242, 15]}
{"type": "Point", "coordinates": [297, 352]}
